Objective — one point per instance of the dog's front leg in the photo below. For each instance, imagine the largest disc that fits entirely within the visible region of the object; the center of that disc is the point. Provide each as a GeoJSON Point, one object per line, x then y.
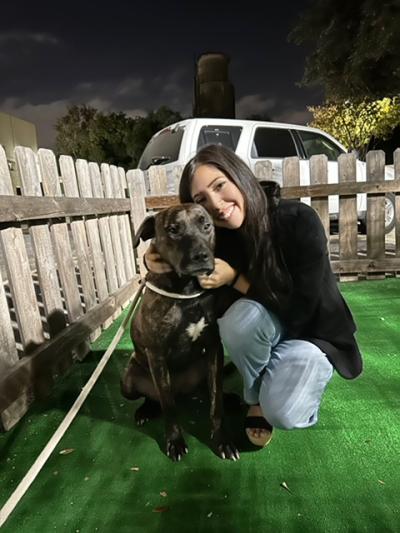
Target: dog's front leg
{"type": "Point", "coordinates": [222, 445]}
{"type": "Point", "coordinates": [175, 444]}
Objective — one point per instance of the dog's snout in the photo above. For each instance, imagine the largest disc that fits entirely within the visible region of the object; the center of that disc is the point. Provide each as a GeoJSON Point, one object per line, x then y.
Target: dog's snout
{"type": "Point", "coordinates": [199, 259]}
{"type": "Point", "coordinates": [200, 256]}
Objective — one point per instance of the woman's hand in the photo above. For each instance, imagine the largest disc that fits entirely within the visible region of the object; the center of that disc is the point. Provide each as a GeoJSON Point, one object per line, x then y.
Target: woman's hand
{"type": "Point", "coordinates": [223, 274]}
{"type": "Point", "coordinates": [153, 261]}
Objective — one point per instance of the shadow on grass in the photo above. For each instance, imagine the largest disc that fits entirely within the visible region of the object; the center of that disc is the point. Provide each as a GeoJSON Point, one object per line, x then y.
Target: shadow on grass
{"type": "Point", "coordinates": [193, 416]}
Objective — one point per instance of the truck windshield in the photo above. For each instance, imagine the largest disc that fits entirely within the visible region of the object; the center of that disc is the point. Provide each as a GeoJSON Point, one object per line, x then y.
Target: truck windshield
{"type": "Point", "coordinates": [162, 148]}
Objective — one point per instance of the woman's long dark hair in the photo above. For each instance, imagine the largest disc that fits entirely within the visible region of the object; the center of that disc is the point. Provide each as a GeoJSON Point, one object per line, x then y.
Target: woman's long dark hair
{"type": "Point", "coordinates": [259, 229]}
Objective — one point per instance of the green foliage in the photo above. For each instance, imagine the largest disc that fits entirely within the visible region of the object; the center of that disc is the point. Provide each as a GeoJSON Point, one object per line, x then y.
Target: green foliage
{"type": "Point", "coordinates": [355, 47]}
{"type": "Point", "coordinates": [86, 133]}
{"type": "Point", "coordinates": [358, 124]}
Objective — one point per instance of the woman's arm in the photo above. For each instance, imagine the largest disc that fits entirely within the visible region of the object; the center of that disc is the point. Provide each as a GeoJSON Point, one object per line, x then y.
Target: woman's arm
{"type": "Point", "coordinates": [241, 284]}
{"type": "Point", "coordinates": [309, 270]}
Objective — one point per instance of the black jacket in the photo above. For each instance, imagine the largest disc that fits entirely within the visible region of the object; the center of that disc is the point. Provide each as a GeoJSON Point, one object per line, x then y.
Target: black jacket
{"type": "Point", "coordinates": [316, 311]}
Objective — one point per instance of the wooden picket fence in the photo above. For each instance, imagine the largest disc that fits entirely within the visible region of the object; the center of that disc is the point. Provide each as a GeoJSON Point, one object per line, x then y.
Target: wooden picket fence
{"type": "Point", "coordinates": [68, 266]}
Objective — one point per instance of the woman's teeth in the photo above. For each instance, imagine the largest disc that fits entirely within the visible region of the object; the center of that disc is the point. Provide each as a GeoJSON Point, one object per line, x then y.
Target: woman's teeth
{"type": "Point", "coordinates": [227, 213]}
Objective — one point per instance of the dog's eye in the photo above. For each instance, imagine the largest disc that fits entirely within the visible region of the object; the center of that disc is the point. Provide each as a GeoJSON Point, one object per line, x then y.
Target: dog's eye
{"type": "Point", "coordinates": [204, 223]}
{"type": "Point", "coordinates": [172, 229]}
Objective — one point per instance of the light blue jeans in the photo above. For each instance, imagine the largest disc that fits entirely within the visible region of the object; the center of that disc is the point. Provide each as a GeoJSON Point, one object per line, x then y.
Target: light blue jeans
{"type": "Point", "coordinates": [286, 377]}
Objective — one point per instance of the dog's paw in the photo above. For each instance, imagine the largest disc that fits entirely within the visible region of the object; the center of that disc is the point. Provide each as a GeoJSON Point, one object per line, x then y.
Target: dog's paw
{"type": "Point", "coordinates": [176, 448]}
{"type": "Point", "coordinates": [223, 447]}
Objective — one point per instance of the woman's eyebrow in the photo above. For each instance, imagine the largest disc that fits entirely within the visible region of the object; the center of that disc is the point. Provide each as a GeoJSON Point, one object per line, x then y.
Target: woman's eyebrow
{"type": "Point", "coordinates": [210, 184]}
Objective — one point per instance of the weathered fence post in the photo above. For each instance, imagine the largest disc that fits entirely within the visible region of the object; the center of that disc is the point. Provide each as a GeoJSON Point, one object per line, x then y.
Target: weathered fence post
{"type": "Point", "coordinates": [319, 176]}
{"type": "Point", "coordinates": [347, 213]}
{"type": "Point", "coordinates": [263, 170]}
{"type": "Point", "coordinates": [291, 172]}
{"type": "Point", "coordinates": [396, 164]}
{"type": "Point", "coordinates": [137, 192]}
{"type": "Point", "coordinates": [376, 210]}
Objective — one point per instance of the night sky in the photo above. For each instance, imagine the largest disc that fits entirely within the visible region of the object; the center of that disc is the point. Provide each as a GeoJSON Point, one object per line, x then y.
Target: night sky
{"type": "Point", "coordinates": [134, 57]}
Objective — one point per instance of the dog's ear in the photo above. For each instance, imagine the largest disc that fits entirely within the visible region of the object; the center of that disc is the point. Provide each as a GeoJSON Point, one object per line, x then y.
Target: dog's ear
{"type": "Point", "coordinates": [145, 231]}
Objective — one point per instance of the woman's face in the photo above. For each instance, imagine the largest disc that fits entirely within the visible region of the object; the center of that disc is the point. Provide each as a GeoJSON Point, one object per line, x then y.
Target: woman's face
{"type": "Point", "coordinates": [212, 189]}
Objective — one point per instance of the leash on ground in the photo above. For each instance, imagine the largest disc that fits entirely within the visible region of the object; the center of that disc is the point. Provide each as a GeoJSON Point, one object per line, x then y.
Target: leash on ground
{"type": "Point", "coordinates": [32, 473]}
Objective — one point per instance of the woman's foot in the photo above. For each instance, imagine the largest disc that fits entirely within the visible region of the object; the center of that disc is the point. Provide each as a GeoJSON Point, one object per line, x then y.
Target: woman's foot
{"type": "Point", "coordinates": [258, 429]}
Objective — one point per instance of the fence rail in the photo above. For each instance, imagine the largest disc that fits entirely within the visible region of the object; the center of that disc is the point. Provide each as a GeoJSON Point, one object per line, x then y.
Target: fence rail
{"type": "Point", "coordinates": [68, 266]}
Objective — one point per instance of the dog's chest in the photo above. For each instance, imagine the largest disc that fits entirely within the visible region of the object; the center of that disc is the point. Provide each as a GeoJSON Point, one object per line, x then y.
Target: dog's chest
{"type": "Point", "coordinates": [195, 326]}
{"type": "Point", "coordinates": [180, 324]}
{"type": "Point", "coordinates": [195, 329]}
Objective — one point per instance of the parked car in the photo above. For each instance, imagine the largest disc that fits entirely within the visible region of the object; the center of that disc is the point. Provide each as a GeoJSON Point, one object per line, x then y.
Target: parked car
{"type": "Point", "coordinates": [257, 141]}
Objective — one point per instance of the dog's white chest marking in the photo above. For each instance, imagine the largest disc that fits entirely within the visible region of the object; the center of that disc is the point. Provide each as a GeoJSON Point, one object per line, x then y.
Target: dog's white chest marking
{"type": "Point", "coordinates": [194, 330]}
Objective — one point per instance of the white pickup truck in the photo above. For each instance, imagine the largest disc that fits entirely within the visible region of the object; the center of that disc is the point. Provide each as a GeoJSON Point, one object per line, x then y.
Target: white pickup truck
{"type": "Point", "coordinates": [257, 141]}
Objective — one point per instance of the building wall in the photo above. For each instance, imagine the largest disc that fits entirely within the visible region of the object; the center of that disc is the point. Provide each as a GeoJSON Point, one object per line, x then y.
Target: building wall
{"type": "Point", "coordinates": [16, 132]}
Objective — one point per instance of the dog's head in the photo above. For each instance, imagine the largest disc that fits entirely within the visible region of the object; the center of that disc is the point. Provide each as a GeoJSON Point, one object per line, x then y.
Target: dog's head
{"type": "Point", "coordinates": [184, 237]}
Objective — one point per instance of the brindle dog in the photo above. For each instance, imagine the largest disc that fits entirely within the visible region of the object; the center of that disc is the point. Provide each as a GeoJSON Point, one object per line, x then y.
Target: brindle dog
{"type": "Point", "coordinates": [176, 340]}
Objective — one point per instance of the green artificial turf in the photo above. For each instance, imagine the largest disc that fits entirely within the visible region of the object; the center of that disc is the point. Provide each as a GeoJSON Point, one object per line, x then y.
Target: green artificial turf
{"type": "Point", "coordinates": [342, 475]}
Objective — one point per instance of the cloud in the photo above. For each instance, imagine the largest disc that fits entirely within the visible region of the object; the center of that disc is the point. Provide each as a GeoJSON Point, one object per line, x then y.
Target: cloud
{"type": "Point", "coordinates": [135, 96]}
{"type": "Point", "coordinates": [101, 104]}
{"type": "Point", "coordinates": [105, 95]}
{"type": "Point", "coordinates": [132, 96]}
{"type": "Point", "coordinates": [129, 86]}
{"type": "Point", "coordinates": [294, 116]}
{"type": "Point", "coordinates": [254, 104]}
{"type": "Point", "coordinates": [84, 86]}
{"type": "Point", "coordinates": [28, 37]}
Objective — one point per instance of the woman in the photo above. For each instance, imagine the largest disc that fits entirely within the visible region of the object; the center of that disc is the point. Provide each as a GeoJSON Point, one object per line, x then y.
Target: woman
{"type": "Point", "coordinates": [289, 327]}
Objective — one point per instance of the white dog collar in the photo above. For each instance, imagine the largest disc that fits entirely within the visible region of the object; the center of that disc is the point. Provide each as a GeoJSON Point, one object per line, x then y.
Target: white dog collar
{"type": "Point", "coordinates": [172, 294]}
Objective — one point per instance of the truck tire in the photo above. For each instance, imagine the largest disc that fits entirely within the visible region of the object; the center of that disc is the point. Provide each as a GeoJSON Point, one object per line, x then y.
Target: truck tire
{"type": "Point", "coordinates": [390, 212]}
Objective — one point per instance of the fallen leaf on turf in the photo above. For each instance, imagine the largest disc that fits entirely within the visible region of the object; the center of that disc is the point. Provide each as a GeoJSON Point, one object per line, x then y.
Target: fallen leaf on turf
{"type": "Point", "coordinates": [160, 509]}
{"type": "Point", "coordinates": [134, 469]}
{"type": "Point", "coordinates": [67, 451]}
{"type": "Point", "coordinates": [163, 494]}
{"type": "Point", "coordinates": [381, 482]}
{"type": "Point", "coordinates": [284, 485]}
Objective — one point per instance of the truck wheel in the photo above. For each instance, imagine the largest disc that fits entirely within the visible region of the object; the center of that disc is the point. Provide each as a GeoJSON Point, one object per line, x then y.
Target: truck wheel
{"type": "Point", "coordinates": [390, 217]}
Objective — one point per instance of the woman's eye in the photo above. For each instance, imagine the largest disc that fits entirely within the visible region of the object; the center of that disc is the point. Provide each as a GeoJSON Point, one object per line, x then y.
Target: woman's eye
{"type": "Point", "coordinates": [219, 186]}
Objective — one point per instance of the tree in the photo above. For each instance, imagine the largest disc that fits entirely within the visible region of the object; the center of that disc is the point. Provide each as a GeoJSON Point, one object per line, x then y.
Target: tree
{"type": "Point", "coordinates": [84, 132]}
{"type": "Point", "coordinates": [355, 47]}
{"type": "Point", "coordinates": [75, 131]}
{"type": "Point", "coordinates": [358, 125]}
